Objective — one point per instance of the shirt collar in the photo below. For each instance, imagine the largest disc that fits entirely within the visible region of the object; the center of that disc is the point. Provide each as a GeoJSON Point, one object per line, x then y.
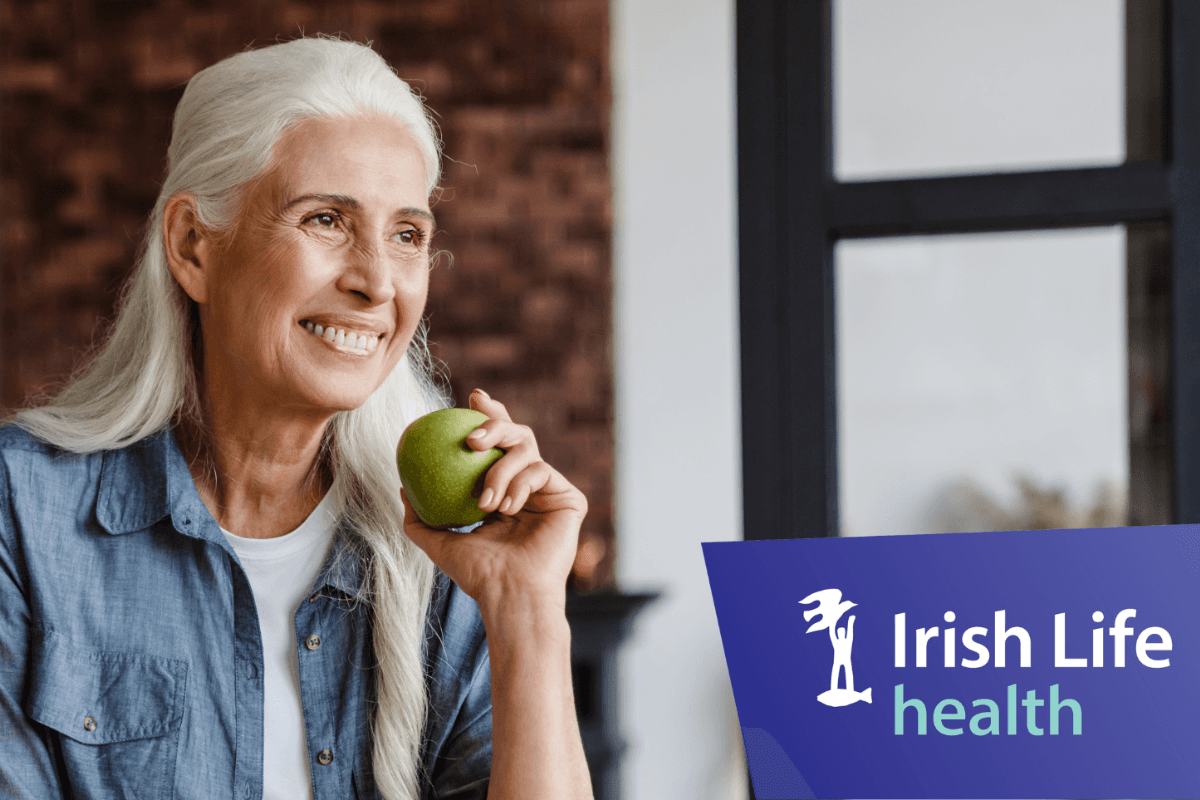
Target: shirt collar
{"type": "Point", "coordinates": [343, 570]}
{"type": "Point", "coordinates": [149, 480]}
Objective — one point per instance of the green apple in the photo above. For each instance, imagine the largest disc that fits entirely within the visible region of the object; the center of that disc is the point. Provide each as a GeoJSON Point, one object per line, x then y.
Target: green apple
{"type": "Point", "coordinates": [442, 474]}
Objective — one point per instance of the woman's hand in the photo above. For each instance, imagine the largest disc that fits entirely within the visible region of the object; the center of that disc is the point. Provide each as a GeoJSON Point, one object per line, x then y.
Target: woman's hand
{"type": "Point", "coordinates": [515, 566]}
{"type": "Point", "coordinates": [528, 547]}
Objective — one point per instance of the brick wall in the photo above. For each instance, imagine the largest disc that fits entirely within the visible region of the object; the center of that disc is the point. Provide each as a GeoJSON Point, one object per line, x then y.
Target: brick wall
{"type": "Point", "coordinates": [521, 91]}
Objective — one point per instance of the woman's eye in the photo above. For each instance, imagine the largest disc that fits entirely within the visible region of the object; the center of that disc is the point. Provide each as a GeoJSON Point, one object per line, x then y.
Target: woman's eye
{"type": "Point", "coordinates": [324, 220]}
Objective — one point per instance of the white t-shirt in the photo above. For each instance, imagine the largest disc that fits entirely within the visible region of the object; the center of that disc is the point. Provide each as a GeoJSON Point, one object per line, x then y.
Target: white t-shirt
{"type": "Point", "coordinates": [282, 572]}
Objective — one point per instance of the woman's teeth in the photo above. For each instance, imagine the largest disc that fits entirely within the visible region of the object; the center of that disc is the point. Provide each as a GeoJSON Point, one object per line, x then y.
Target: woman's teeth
{"type": "Point", "coordinates": [340, 338]}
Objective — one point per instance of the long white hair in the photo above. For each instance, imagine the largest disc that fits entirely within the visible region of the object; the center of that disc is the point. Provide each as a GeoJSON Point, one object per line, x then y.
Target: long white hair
{"type": "Point", "coordinates": [143, 378]}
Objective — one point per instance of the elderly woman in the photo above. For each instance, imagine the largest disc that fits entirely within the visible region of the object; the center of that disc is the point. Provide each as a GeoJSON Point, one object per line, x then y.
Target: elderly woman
{"type": "Point", "coordinates": [210, 582]}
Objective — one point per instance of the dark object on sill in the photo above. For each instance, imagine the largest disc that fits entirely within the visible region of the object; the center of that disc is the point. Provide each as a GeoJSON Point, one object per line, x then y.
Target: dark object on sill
{"type": "Point", "coordinates": [600, 622]}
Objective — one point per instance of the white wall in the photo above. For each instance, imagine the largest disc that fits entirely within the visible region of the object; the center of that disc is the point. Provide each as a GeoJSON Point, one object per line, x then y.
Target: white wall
{"type": "Point", "coordinates": [678, 446]}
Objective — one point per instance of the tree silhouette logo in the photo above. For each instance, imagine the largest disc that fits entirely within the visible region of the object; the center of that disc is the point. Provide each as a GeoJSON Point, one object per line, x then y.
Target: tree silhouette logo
{"type": "Point", "coordinates": [830, 608]}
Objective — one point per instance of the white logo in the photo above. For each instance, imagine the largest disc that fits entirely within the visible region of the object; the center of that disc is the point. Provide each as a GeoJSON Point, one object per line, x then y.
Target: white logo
{"type": "Point", "coordinates": [830, 607]}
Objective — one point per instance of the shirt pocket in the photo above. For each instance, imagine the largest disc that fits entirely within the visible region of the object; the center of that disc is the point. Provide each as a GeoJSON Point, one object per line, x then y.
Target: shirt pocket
{"type": "Point", "coordinates": [117, 716]}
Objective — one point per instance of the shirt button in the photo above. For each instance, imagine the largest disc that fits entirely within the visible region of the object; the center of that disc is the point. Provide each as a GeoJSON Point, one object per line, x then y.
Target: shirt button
{"type": "Point", "coordinates": [325, 757]}
{"type": "Point", "coordinates": [89, 723]}
{"type": "Point", "coordinates": [312, 642]}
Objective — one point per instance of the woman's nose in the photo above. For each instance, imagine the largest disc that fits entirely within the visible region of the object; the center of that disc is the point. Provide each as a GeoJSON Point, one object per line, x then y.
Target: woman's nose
{"type": "Point", "coordinates": [368, 273]}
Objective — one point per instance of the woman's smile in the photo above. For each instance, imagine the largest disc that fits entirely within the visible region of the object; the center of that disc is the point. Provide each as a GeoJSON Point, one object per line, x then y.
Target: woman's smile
{"type": "Point", "coordinates": [343, 339]}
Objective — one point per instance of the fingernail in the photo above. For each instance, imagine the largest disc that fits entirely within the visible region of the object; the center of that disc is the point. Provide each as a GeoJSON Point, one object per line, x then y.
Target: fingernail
{"type": "Point", "coordinates": [478, 433]}
{"type": "Point", "coordinates": [486, 498]}
{"type": "Point", "coordinates": [486, 396]}
{"type": "Point", "coordinates": [504, 506]}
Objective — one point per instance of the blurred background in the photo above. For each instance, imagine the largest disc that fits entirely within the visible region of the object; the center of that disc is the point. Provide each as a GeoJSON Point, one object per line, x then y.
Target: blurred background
{"type": "Point", "coordinates": [985, 381]}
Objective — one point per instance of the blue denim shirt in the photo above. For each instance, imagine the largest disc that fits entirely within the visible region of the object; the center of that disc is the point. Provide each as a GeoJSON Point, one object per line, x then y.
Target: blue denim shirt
{"type": "Point", "coordinates": [130, 658]}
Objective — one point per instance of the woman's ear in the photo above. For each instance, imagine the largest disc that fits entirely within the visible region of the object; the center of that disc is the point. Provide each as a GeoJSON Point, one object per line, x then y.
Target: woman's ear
{"type": "Point", "coordinates": [190, 246]}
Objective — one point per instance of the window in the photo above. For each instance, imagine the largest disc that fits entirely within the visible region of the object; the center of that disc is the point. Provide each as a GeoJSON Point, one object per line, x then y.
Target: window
{"type": "Point", "coordinates": [795, 215]}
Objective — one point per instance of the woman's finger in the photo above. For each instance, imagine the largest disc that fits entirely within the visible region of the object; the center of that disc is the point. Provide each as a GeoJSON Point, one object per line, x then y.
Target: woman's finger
{"type": "Point", "coordinates": [519, 446]}
{"type": "Point", "coordinates": [503, 434]}
{"type": "Point", "coordinates": [482, 401]}
{"type": "Point", "coordinates": [516, 458]}
{"type": "Point", "coordinates": [556, 494]}
{"type": "Point", "coordinates": [517, 441]}
{"type": "Point", "coordinates": [526, 482]}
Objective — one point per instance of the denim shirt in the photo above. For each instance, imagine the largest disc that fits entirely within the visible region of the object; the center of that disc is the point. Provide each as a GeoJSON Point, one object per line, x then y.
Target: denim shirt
{"type": "Point", "coordinates": [130, 656]}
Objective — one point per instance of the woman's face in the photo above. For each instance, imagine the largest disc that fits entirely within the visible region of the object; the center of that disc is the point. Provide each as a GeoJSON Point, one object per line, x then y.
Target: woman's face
{"type": "Point", "coordinates": [313, 299]}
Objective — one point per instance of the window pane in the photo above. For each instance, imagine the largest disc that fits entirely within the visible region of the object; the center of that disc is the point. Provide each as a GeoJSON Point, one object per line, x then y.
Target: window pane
{"type": "Point", "coordinates": [926, 87]}
{"type": "Point", "coordinates": [982, 382]}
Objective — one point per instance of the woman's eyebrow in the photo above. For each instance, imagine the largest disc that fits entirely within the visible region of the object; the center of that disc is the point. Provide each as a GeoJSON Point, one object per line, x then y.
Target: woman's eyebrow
{"type": "Point", "coordinates": [333, 199]}
{"type": "Point", "coordinates": [413, 211]}
{"type": "Point", "coordinates": [352, 203]}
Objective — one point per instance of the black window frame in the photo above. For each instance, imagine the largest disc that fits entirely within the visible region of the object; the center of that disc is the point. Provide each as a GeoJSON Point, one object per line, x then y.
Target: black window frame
{"type": "Point", "coordinates": [792, 211]}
